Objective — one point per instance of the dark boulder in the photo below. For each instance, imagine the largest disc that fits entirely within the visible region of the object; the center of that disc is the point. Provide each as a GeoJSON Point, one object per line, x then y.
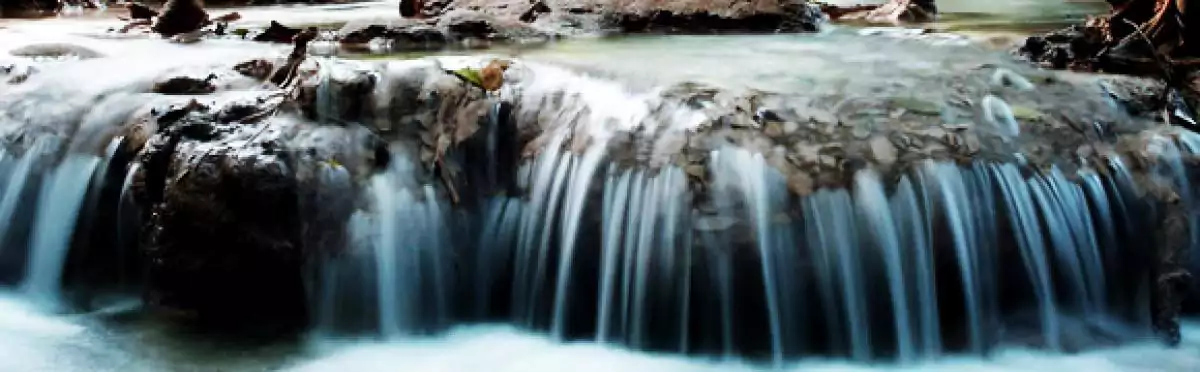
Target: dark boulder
{"type": "Point", "coordinates": [28, 8]}
{"type": "Point", "coordinates": [277, 33]}
{"type": "Point", "coordinates": [180, 16]}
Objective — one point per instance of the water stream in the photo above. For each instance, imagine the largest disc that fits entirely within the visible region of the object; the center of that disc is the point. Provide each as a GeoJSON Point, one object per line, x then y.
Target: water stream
{"type": "Point", "coordinates": [602, 263]}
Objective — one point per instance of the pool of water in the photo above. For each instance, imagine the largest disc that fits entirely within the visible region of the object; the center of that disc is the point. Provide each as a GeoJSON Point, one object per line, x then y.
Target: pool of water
{"type": "Point", "coordinates": [123, 338]}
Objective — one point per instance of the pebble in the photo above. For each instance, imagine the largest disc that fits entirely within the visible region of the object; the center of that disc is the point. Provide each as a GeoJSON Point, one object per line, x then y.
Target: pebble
{"type": "Point", "coordinates": [791, 127]}
{"type": "Point", "coordinates": [861, 132]}
{"type": "Point", "coordinates": [773, 129]}
{"type": "Point", "coordinates": [883, 151]}
{"type": "Point", "coordinates": [800, 183]}
{"type": "Point", "coordinates": [828, 161]}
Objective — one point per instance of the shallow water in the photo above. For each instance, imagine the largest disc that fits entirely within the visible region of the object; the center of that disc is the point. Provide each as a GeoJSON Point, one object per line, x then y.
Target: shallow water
{"type": "Point", "coordinates": [120, 338]}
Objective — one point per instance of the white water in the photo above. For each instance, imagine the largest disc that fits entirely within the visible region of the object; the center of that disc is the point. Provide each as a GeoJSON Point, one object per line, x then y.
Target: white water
{"type": "Point", "coordinates": [34, 341]}
{"type": "Point", "coordinates": [58, 211]}
{"type": "Point", "coordinates": [501, 349]}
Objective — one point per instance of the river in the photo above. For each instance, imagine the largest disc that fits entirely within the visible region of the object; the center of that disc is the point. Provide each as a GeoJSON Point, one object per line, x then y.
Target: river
{"type": "Point", "coordinates": [119, 335]}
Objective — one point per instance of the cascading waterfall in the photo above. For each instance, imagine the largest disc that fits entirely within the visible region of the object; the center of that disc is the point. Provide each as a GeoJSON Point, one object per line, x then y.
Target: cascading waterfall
{"type": "Point", "coordinates": [596, 247]}
{"type": "Point", "coordinates": [636, 264]}
{"type": "Point", "coordinates": [19, 172]}
{"type": "Point", "coordinates": [1022, 217]}
{"type": "Point", "coordinates": [591, 243]}
{"type": "Point", "coordinates": [873, 210]}
{"type": "Point", "coordinates": [398, 260]}
{"type": "Point", "coordinates": [58, 211]}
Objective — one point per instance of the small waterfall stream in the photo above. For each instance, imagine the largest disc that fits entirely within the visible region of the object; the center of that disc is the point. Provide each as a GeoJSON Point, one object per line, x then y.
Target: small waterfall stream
{"type": "Point", "coordinates": [942, 258]}
{"type": "Point", "coordinates": [58, 210]}
{"type": "Point", "coordinates": [604, 236]}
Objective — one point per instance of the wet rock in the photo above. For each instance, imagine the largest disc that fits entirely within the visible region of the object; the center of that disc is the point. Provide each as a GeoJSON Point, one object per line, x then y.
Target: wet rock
{"type": "Point", "coordinates": [1170, 277]}
{"type": "Point", "coordinates": [258, 69]}
{"type": "Point", "coordinates": [213, 247]}
{"type": "Point", "coordinates": [882, 151]}
{"type": "Point", "coordinates": [185, 85]}
{"type": "Point", "coordinates": [55, 50]}
{"type": "Point", "coordinates": [140, 11]}
{"type": "Point", "coordinates": [405, 36]}
{"type": "Point", "coordinates": [800, 183]}
{"type": "Point", "coordinates": [180, 16]}
{"type": "Point", "coordinates": [17, 73]}
{"type": "Point", "coordinates": [711, 15]}
{"type": "Point", "coordinates": [29, 8]}
{"type": "Point", "coordinates": [467, 23]}
{"type": "Point", "coordinates": [586, 16]}
{"type": "Point", "coordinates": [277, 33]}
{"type": "Point", "coordinates": [234, 209]}
{"type": "Point", "coordinates": [462, 23]}
{"type": "Point", "coordinates": [411, 8]}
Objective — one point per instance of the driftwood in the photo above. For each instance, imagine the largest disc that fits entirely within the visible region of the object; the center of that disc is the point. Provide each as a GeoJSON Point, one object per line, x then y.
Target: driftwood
{"type": "Point", "coordinates": [286, 74]}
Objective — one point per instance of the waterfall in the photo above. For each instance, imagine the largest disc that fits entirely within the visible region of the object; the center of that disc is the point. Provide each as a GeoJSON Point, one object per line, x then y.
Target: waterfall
{"type": "Point", "coordinates": [1020, 210]}
{"type": "Point", "coordinates": [58, 211]}
{"type": "Point", "coordinates": [18, 174]}
{"type": "Point", "coordinates": [873, 211]}
{"type": "Point", "coordinates": [603, 235]}
{"type": "Point", "coordinates": [913, 227]}
{"type": "Point", "coordinates": [399, 260]}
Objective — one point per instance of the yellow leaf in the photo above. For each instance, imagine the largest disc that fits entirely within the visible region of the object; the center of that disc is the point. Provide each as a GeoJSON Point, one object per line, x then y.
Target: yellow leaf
{"type": "Point", "coordinates": [470, 75]}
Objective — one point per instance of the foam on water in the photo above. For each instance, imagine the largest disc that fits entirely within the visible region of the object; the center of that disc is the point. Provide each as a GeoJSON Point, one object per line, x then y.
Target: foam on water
{"type": "Point", "coordinates": [502, 349]}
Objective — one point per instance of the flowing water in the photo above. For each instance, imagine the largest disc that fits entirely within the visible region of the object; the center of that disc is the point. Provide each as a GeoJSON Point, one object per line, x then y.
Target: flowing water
{"type": "Point", "coordinates": [608, 265]}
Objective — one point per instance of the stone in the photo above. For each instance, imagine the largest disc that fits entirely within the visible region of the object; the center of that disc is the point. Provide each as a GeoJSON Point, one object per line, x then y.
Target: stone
{"type": "Point", "coordinates": [790, 127]}
{"type": "Point", "coordinates": [882, 151]}
{"type": "Point", "coordinates": [712, 15]}
{"type": "Point", "coordinates": [773, 129]}
{"type": "Point", "coordinates": [861, 132]}
{"type": "Point", "coordinates": [277, 33]}
{"type": "Point", "coordinates": [180, 16]}
{"type": "Point", "coordinates": [800, 183]}
{"type": "Point", "coordinates": [185, 85]}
